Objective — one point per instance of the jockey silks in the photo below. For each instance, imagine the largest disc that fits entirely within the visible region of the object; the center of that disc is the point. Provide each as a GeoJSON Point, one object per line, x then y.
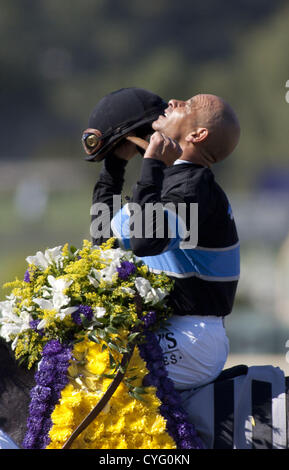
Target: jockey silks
{"type": "Point", "coordinates": [206, 275]}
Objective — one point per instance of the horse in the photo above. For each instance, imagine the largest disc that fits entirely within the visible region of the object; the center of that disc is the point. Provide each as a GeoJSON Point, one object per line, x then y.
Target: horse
{"type": "Point", "coordinates": [15, 385]}
{"type": "Point", "coordinates": [243, 408]}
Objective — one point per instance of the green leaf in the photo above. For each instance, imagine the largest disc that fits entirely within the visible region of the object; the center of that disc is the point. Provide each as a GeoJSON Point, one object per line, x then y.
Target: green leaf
{"type": "Point", "coordinates": [131, 379]}
{"type": "Point", "coordinates": [111, 329]}
{"type": "Point", "coordinates": [109, 376]}
{"type": "Point", "coordinates": [113, 346]}
{"type": "Point", "coordinates": [136, 396]}
{"type": "Point", "coordinates": [97, 323]}
{"type": "Point", "coordinates": [85, 321]}
{"type": "Point", "coordinates": [132, 337]}
{"type": "Point", "coordinates": [121, 369]}
{"type": "Point", "coordinates": [78, 340]}
{"type": "Point", "coordinates": [139, 390]}
{"type": "Point", "coordinates": [101, 333]}
{"type": "Point", "coordinates": [112, 362]}
{"type": "Point", "coordinates": [93, 338]}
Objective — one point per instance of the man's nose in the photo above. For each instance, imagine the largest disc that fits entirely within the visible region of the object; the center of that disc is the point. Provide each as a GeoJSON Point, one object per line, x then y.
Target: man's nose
{"type": "Point", "coordinates": [176, 103]}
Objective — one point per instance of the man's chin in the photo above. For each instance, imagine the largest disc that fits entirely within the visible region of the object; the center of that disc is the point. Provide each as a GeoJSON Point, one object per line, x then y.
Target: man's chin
{"type": "Point", "coordinates": [156, 125]}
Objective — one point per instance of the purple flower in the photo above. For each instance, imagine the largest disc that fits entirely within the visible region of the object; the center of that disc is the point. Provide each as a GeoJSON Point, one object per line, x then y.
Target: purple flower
{"type": "Point", "coordinates": [149, 319]}
{"type": "Point", "coordinates": [37, 408]}
{"type": "Point", "coordinates": [34, 324]}
{"type": "Point", "coordinates": [44, 438]}
{"type": "Point", "coordinates": [125, 270]}
{"type": "Point", "coordinates": [178, 414]}
{"type": "Point", "coordinates": [165, 410]}
{"type": "Point", "coordinates": [30, 441]}
{"type": "Point", "coordinates": [168, 386]}
{"type": "Point", "coordinates": [84, 310]}
{"type": "Point", "coordinates": [178, 426]}
{"type": "Point", "coordinates": [50, 378]}
{"type": "Point", "coordinates": [34, 423]}
{"type": "Point", "coordinates": [27, 276]}
{"type": "Point", "coordinates": [151, 380]}
{"type": "Point", "coordinates": [151, 350]}
{"type": "Point", "coordinates": [185, 430]}
{"type": "Point", "coordinates": [45, 377]}
{"type": "Point", "coordinates": [52, 347]}
{"type": "Point", "coordinates": [188, 444]}
{"type": "Point", "coordinates": [40, 393]}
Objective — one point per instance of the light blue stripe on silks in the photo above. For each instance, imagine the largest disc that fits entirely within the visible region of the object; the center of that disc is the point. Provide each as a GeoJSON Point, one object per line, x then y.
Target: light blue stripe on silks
{"type": "Point", "coordinates": [120, 226]}
{"type": "Point", "coordinates": [212, 264]}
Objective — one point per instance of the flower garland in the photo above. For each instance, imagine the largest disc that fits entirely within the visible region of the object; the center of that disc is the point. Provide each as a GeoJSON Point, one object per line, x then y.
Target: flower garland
{"type": "Point", "coordinates": [178, 426]}
{"type": "Point", "coordinates": [125, 422]}
{"type": "Point", "coordinates": [50, 379]}
{"type": "Point", "coordinates": [73, 316]}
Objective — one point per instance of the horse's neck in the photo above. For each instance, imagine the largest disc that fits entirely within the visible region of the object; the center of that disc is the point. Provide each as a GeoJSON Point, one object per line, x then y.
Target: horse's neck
{"type": "Point", "coordinates": [15, 385]}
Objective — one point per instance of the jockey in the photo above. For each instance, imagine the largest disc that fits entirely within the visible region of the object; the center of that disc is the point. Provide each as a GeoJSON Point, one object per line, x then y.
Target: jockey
{"type": "Point", "coordinates": [190, 136]}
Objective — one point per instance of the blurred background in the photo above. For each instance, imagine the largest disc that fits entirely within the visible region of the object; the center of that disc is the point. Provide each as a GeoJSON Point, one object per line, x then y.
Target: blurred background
{"type": "Point", "coordinates": [59, 58]}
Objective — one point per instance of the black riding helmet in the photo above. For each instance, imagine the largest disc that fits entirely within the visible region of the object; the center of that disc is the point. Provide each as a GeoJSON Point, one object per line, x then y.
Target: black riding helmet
{"type": "Point", "coordinates": [116, 115]}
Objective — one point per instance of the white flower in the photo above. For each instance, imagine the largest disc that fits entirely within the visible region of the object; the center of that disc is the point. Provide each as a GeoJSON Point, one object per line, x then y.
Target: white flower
{"type": "Point", "coordinates": [46, 292]}
{"type": "Point", "coordinates": [43, 260]}
{"type": "Point", "coordinates": [58, 286]}
{"type": "Point", "coordinates": [55, 299]}
{"type": "Point", "coordinates": [127, 290]}
{"type": "Point", "coordinates": [99, 312]}
{"type": "Point", "coordinates": [93, 281]}
{"type": "Point", "coordinates": [113, 255]}
{"type": "Point", "coordinates": [45, 304]}
{"type": "Point", "coordinates": [150, 294]}
{"type": "Point", "coordinates": [143, 286]}
{"type": "Point", "coordinates": [112, 258]}
{"type": "Point", "coordinates": [10, 322]}
{"type": "Point", "coordinates": [158, 294]}
{"type": "Point", "coordinates": [105, 274]}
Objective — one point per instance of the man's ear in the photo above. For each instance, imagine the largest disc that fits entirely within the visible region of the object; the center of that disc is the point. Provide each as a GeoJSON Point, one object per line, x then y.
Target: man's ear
{"type": "Point", "coordinates": [198, 135]}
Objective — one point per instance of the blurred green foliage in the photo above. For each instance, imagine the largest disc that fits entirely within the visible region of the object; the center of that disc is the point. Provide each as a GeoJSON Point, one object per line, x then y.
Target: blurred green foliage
{"type": "Point", "coordinates": [59, 58]}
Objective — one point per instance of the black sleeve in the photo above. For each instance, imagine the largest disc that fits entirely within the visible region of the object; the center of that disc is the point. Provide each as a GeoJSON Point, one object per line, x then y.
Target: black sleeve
{"type": "Point", "coordinates": [110, 183]}
{"type": "Point", "coordinates": [148, 191]}
{"type": "Point", "coordinates": [190, 187]}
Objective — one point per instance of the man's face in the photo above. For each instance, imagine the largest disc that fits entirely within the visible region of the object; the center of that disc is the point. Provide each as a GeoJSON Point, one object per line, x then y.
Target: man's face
{"type": "Point", "coordinates": [179, 119]}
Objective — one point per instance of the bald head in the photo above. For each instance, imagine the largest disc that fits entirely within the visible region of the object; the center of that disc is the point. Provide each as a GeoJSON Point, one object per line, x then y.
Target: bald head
{"type": "Point", "coordinates": [205, 126]}
{"type": "Point", "coordinates": [217, 116]}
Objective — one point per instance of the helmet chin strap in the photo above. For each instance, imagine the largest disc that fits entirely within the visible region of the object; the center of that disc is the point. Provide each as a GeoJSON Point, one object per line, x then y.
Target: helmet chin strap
{"type": "Point", "coordinates": [138, 141]}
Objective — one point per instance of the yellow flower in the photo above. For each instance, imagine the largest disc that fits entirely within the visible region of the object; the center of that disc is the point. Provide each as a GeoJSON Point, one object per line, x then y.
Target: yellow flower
{"type": "Point", "coordinates": [63, 415]}
{"type": "Point", "coordinates": [143, 270]}
{"type": "Point", "coordinates": [73, 370]}
{"type": "Point", "coordinates": [125, 423]}
{"type": "Point", "coordinates": [65, 250]}
{"type": "Point", "coordinates": [97, 363]}
{"type": "Point", "coordinates": [49, 316]}
{"type": "Point", "coordinates": [58, 435]}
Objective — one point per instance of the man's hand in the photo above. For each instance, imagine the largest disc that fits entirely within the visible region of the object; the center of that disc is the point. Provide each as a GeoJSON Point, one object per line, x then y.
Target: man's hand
{"type": "Point", "coordinates": [163, 148]}
{"type": "Point", "coordinates": [126, 150]}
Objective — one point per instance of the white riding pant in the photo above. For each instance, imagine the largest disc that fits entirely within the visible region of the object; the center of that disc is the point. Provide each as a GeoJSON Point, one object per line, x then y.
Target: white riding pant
{"type": "Point", "coordinates": [195, 349]}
